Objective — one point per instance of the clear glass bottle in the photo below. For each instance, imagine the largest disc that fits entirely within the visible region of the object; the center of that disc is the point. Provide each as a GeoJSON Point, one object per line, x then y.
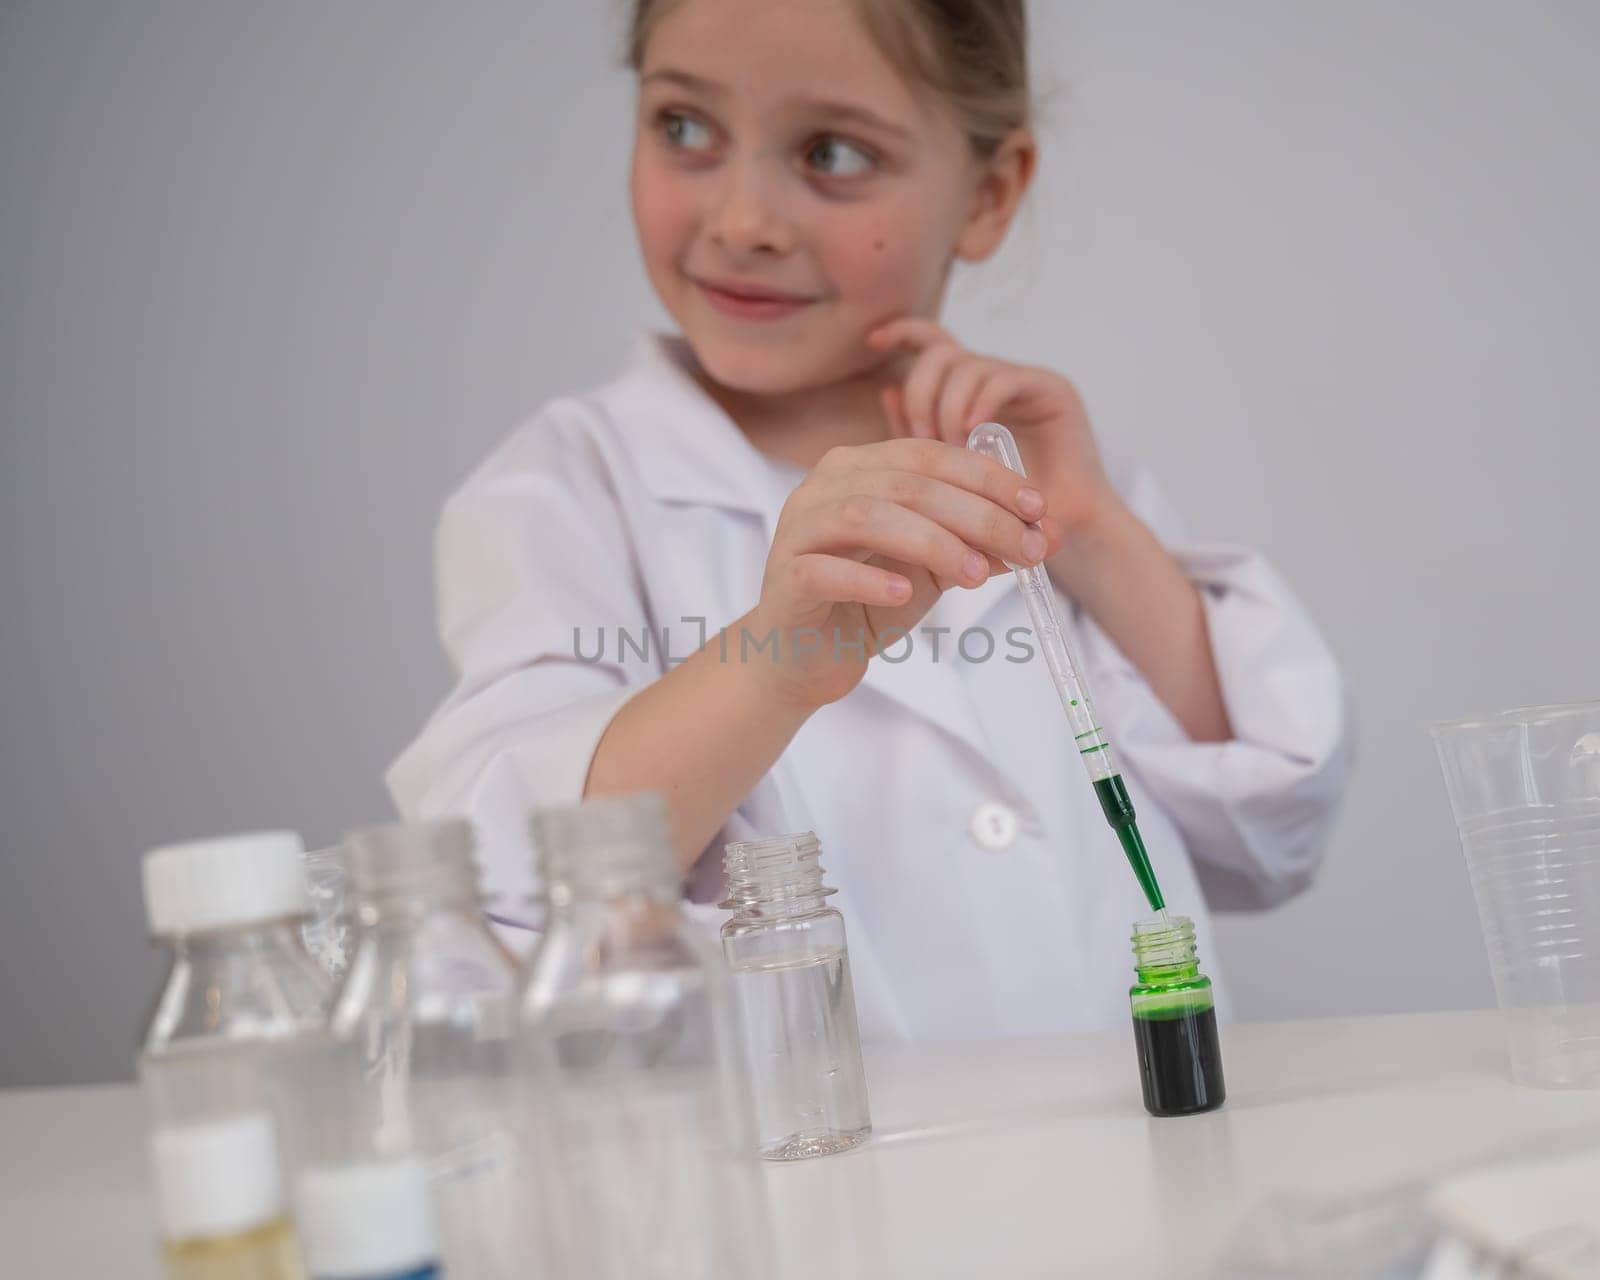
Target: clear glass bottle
{"type": "Point", "coordinates": [368, 1220]}
{"type": "Point", "coordinates": [791, 974]}
{"type": "Point", "coordinates": [429, 1002]}
{"type": "Point", "coordinates": [1174, 1021]}
{"type": "Point", "coordinates": [240, 990]}
{"type": "Point", "coordinates": [327, 932]}
{"type": "Point", "coordinates": [634, 1057]}
{"type": "Point", "coordinates": [361, 1213]}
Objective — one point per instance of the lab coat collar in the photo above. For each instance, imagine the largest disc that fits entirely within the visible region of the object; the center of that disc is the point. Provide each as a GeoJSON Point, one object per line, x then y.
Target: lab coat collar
{"type": "Point", "coordinates": [688, 450]}
{"type": "Point", "coordinates": [686, 447]}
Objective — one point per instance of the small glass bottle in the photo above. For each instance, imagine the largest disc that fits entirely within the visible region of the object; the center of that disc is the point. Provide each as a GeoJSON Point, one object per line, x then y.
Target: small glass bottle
{"type": "Point", "coordinates": [1174, 1021]}
{"type": "Point", "coordinates": [791, 973]}
{"type": "Point", "coordinates": [429, 1004]}
{"type": "Point", "coordinates": [241, 989]}
{"type": "Point", "coordinates": [634, 1060]}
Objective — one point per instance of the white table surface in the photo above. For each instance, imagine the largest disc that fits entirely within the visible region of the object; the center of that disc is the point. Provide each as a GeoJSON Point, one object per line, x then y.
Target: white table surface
{"type": "Point", "coordinates": [1021, 1158]}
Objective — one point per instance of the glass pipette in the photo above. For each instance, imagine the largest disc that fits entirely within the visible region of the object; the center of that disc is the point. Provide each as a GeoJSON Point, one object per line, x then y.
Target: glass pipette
{"type": "Point", "coordinates": [994, 441]}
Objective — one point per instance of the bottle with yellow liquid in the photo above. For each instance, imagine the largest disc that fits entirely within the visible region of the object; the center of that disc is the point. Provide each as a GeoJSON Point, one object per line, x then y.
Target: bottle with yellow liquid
{"type": "Point", "coordinates": [240, 989]}
{"type": "Point", "coordinates": [223, 1212]}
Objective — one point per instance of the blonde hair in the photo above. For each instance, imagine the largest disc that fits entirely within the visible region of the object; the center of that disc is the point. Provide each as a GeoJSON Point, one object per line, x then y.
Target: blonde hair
{"type": "Point", "coordinates": [972, 54]}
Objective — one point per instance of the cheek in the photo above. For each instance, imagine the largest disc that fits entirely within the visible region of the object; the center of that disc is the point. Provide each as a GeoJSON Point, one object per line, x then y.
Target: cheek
{"type": "Point", "coordinates": [887, 257]}
{"type": "Point", "coordinates": [665, 212]}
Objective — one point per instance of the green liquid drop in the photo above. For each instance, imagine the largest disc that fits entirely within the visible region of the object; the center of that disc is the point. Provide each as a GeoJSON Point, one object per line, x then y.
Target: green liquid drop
{"type": "Point", "coordinates": [1118, 808]}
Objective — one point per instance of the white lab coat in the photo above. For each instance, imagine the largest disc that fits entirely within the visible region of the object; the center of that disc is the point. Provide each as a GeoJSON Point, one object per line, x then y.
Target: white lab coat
{"type": "Point", "coordinates": [983, 892]}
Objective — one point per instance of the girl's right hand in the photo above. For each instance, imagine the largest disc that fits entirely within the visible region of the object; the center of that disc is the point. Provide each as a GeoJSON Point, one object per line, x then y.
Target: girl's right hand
{"type": "Point", "coordinates": [868, 541]}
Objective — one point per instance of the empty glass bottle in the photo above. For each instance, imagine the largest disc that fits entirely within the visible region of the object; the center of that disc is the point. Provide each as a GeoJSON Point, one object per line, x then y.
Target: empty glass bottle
{"type": "Point", "coordinates": [1174, 1020]}
{"type": "Point", "coordinates": [367, 1220]}
{"type": "Point", "coordinates": [429, 1004]}
{"type": "Point", "coordinates": [634, 1059]}
{"type": "Point", "coordinates": [361, 1212]}
{"type": "Point", "coordinates": [791, 973]}
{"type": "Point", "coordinates": [327, 932]}
{"type": "Point", "coordinates": [239, 990]}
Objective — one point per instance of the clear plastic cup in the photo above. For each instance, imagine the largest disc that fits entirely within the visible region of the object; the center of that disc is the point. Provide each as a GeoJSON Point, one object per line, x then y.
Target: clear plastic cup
{"type": "Point", "coordinates": [1525, 788]}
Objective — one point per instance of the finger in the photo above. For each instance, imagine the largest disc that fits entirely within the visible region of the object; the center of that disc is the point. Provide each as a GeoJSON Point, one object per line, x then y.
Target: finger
{"type": "Point", "coordinates": [864, 521]}
{"type": "Point", "coordinates": [1054, 535]}
{"type": "Point", "coordinates": [1053, 540]}
{"type": "Point", "coordinates": [816, 578]}
{"type": "Point", "coordinates": [922, 388]}
{"type": "Point", "coordinates": [911, 333]}
{"type": "Point", "coordinates": [986, 526]}
{"type": "Point", "coordinates": [894, 410]}
{"type": "Point", "coordinates": [961, 387]}
{"type": "Point", "coordinates": [936, 460]}
{"type": "Point", "coordinates": [998, 390]}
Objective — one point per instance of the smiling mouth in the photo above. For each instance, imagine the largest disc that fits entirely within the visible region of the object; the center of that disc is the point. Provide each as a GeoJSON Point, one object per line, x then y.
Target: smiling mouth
{"type": "Point", "coordinates": [750, 302]}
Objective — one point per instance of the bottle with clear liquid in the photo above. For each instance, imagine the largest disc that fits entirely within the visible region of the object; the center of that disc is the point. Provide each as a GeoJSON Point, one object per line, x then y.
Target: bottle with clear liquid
{"type": "Point", "coordinates": [634, 1061]}
{"type": "Point", "coordinates": [240, 991]}
{"type": "Point", "coordinates": [791, 973]}
{"type": "Point", "coordinates": [429, 1005]}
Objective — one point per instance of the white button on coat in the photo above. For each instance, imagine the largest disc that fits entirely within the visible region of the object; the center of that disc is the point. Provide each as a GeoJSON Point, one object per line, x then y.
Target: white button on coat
{"type": "Point", "coordinates": [994, 825]}
{"type": "Point", "coordinates": [642, 508]}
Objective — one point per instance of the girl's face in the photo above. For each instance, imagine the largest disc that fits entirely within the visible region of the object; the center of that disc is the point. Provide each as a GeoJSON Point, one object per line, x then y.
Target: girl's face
{"type": "Point", "coordinates": [791, 191]}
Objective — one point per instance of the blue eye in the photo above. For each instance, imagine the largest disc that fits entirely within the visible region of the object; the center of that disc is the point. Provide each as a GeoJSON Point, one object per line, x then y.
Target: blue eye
{"type": "Point", "coordinates": [836, 158]}
{"type": "Point", "coordinates": [685, 132]}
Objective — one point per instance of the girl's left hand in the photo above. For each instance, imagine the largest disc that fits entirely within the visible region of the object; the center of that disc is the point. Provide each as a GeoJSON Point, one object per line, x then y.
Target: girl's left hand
{"type": "Point", "coordinates": [948, 391]}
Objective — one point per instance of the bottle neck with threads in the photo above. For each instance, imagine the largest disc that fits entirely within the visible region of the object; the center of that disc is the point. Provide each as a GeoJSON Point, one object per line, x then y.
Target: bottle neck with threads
{"type": "Point", "coordinates": [609, 877]}
{"type": "Point", "coordinates": [774, 879]}
{"type": "Point", "coordinates": [1165, 956]}
{"type": "Point", "coordinates": [608, 850]}
{"type": "Point", "coordinates": [403, 871]}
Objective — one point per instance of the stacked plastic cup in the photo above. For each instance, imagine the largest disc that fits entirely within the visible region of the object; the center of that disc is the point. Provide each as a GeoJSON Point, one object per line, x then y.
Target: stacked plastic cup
{"type": "Point", "coordinates": [1525, 788]}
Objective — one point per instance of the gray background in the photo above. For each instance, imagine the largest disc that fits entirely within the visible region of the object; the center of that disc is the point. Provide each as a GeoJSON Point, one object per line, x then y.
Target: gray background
{"type": "Point", "coordinates": [274, 277]}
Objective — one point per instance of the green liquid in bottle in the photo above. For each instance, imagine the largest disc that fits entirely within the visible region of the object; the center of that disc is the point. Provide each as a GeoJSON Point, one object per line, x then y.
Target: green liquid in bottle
{"type": "Point", "coordinates": [1174, 1021]}
{"type": "Point", "coordinates": [1118, 808]}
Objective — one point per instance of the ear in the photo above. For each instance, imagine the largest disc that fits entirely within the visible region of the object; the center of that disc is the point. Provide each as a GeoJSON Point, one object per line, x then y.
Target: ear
{"type": "Point", "coordinates": [1003, 180]}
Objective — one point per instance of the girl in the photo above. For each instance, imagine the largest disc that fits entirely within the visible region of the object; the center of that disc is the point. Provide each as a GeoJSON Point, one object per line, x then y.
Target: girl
{"type": "Point", "coordinates": [760, 573]}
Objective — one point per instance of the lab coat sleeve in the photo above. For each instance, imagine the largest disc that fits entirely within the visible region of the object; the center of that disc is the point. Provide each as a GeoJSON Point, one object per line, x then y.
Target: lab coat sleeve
{"type": "Point", "coordinates": [534, 569]}
{"type": "Point", "coordinates": [1254, 812]}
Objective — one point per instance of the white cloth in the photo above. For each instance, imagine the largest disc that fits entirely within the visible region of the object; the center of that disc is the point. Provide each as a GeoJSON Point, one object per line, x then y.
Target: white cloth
{"type": "Point", "coordinates": [642, 504]}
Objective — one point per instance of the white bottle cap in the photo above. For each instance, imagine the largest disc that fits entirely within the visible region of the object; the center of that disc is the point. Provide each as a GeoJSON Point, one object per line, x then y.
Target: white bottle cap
{"type": "Point", "coordinates": [225, 882]}
{"type": "Point", "coordinates": [367, 1218]}
{"type": "Point", "coordinates": [216, 1178]}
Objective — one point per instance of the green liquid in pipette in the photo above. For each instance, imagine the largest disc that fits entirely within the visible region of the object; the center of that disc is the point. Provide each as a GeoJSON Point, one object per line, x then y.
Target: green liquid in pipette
{"type": "Point", "coordinates": [1114, 803]}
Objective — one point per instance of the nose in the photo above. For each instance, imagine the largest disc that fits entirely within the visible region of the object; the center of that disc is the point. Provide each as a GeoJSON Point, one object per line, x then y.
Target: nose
{"type": "Point", "coordinates": [746, 219]}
